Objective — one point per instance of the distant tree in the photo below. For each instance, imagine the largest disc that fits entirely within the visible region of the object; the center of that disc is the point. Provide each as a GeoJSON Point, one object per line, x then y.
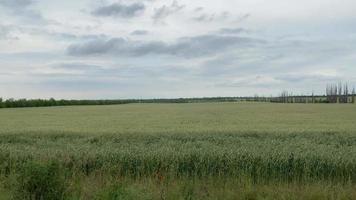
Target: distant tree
{"type": "Point", "coordinates": [9, 103]}
{"type": "Point", "coordinates": [284, 97]}
{"type": "Point", "coordinates": [339, 93]}
{"type": "Point", "coordinates": [327, 92]}
{"type": "Point", "coordinates": [339, 96]}
{"type": "Point", "coordinates": [346, 93]}
{"type": "Point", "coordinates": [256, 98]}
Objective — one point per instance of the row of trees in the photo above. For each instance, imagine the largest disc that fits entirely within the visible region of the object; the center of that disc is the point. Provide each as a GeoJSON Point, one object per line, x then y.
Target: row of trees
{"type": "Point", "coordinates": [339, 93]}
{"type": "Point", "coordinates": [12, 103]}
{"type": "Point", "coordinates": [18, 103]}
{"type": "Point", "coordinates": [335, 93]}
{"type": "Point", "coordinates": [287, 97]}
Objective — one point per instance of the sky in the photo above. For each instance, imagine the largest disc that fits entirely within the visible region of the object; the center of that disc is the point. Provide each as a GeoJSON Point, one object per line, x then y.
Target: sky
{"type": "Point", "coordinates": [114, 49]}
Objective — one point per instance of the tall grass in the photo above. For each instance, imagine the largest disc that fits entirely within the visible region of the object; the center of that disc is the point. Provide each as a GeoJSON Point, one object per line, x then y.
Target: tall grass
{"type": "Point", "coordinates": [260, 157]}
{"type": "Point", "coordinates": [47, 151]}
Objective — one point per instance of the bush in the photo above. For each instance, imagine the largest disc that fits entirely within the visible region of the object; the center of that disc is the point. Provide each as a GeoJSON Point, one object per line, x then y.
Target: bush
{"type": "Point", "coordinates": [40, 181]}
{"type": "Point", "coordinates": [115, 192]}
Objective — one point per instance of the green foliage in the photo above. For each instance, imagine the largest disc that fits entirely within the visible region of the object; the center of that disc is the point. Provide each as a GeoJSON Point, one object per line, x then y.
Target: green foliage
{"type": "Point", "coordinates": [20, 103]}
{"type": "Point", "coordinates": [40, 181]}
{"type": "Point", "coordinates": [188, 191]}
{"type": "Point", "coordinates": [261, 157]}
{"type": "Point", "coordinates": [116, 192]}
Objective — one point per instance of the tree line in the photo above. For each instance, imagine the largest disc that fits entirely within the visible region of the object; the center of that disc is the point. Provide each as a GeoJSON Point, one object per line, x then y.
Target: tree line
{"type": "Point", "coordinates": [340, 93]}
{"type": "Point", "coordinates": [335, 93]}
{"type": "Point", "coordinates": [19, 103]}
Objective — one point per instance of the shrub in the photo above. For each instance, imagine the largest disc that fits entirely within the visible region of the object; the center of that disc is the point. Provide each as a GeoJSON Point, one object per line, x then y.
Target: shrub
{"type": "Point", "coordinates": [40, 181]}
{"type": "Point", "coordinates": [115, 192]}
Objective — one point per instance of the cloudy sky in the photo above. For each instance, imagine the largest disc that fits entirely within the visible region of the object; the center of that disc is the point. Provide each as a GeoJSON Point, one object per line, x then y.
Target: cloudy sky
{"type": "Point", "coordinates": [95, 49]}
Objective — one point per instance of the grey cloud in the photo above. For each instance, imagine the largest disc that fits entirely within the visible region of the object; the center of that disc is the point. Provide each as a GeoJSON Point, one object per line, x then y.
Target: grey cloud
{"type": "Point", "coordinates": [33, 16]}
{"type": "Point", "coordinates": [16, 4]}
{"type": "Point", "coordinates": [261, 81]}
{"type": "Point", "coordinates": [204, 17]}
{"type": "Point", "coordinates": [211, 17]}
{"type": "Point", "coordinates": [220, 66]}
{"type": "Point", "coordinates": [286, 61]}
{"type": "Point", "coordinates": [308, 78]}
{"type": "Point", "coordinates": [79, 84]}
{"type": "Point", "coordinates": [59, 35]}
{"type": "Point", "coordinates": [84, 70]}
{"type": "Point", "coordinates": [188, 47]}
{"type": "Point", "coordinates": [119, 10]}
{"type": "Point", "coordinates": [139, 32]}
{"type": "Point", "coordinates": [77, 66]}
{"type": "Point", "coordinates": [164, 11]}
{"type": "Point", "coordinates": [232, 30]}
{"type": "Point", "coordinates": [94, 47]}
{"type": "Point", "coordinates": [4, 32]}
{"type": "Point", "coordinates": [22, 9]}
{"type": "Point", "coordinates": [198, 9]}
{"type": "Point", "coordinates": [70, 36]}
{"type": "Point", "coordinates": [8, 32]}
{"type": "Point", "coordinates": [243, 17]}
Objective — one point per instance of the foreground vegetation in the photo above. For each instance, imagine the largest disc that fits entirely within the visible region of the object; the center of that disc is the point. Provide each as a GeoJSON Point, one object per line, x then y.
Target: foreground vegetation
{"type": "Point", "coordinates": [179, 151]}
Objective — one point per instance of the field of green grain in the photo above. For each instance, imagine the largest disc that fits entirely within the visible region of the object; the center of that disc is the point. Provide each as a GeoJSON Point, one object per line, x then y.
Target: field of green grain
{"type": "Point", "coordinates": [179, 151]}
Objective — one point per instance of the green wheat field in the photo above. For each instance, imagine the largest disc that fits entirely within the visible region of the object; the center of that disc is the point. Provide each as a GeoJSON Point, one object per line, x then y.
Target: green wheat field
{"type": "Point", "coordinates": [179, 151]}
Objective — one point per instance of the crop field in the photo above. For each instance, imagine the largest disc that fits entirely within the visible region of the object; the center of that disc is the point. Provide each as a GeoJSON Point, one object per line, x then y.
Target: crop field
{"type": "Point", "coordinates": [179, 151]}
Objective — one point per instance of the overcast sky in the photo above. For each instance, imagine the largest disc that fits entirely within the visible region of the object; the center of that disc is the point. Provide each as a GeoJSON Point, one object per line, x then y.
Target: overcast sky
{"type": "Point", "coordinates": [92, 49]}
